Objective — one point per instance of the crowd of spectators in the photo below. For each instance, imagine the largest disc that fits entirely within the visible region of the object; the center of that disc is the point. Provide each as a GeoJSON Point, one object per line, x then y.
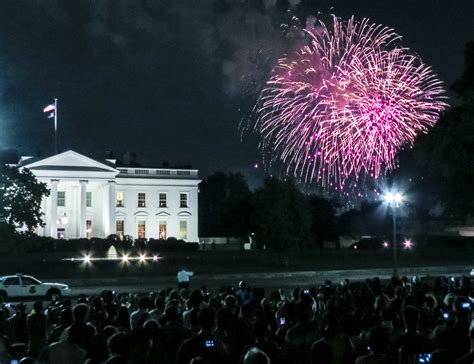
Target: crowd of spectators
{"type": "Point", "coordinates": [402, 321]}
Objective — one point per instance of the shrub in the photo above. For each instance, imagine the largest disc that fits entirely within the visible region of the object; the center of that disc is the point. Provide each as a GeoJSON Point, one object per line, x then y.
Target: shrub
{"type": "Point", "coordinates": [25, 243]}
{"type": "Point", "coordinates": [170, 245]}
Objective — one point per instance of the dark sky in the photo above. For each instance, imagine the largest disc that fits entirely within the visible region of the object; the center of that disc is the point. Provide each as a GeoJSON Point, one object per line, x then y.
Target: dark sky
{"type": "Point", "coordinates": [171, 79]}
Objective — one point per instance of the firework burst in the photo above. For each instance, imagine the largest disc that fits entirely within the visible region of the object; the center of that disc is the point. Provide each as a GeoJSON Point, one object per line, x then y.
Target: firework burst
{"type": "Point", "coordinates": [343, 105]}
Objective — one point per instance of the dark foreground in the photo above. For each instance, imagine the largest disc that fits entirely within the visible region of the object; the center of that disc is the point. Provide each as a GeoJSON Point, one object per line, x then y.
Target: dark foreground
{"type": "Point", "coordinates": [355, 318]}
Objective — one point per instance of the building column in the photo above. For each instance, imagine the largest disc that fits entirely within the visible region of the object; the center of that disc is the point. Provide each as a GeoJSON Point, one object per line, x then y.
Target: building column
{"type": "Point", "coordinates": [108, 208]}
{"type": "Point", "coordinates": [194, 222]}
{"type": "Point", "coordinates": [43, 231]}
{"type": "Point", "coordinates": [54, 209]}
{"type": "Point", "coordinates": [111, 207]}
{"type": "Point", "coordinates": [82, 207]}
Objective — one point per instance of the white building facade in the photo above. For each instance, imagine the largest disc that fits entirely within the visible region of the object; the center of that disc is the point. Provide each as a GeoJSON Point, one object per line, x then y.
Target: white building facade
{"type": "Point", "coordinates": [93, 198]}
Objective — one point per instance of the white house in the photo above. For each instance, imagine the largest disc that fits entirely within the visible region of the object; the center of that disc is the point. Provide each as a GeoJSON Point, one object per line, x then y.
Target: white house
{"type": "Point", "coordinates": [95, 198]}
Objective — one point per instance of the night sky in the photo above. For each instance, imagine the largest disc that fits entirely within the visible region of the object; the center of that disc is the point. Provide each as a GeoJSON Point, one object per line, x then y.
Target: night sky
{"type": "Point", "coordinates": [172, 79]}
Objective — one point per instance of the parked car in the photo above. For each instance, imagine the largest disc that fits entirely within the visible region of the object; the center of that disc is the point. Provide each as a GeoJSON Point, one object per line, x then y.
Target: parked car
{"type": "Point", "coordinates": [19, 285]}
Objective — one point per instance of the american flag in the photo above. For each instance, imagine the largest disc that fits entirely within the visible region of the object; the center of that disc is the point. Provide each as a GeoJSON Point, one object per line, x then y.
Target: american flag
{"type": "Point", "coordinates": [49, 108]}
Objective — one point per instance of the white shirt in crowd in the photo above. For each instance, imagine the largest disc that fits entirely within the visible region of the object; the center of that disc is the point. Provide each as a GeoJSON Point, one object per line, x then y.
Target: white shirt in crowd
{"type": "Point", "coordinates": [183, 276]}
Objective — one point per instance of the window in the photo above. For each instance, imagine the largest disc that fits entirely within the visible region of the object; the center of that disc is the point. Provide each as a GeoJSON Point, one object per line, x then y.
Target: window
{"type": "Point", "coordinates": [141, 229]}
{"type": "Point", "coordinates": [119, 199]}
{"type": "Point", "coordinates": [88, 229]}
{"type": "Point", "coordinates": [119, 229]}
{"type": "Point", "coordinates": [61, 198]}
{"type": "Point", "coordinates": [61, 233]}
{"type": "Point", "coordinates": [162, 229]}
{"type": "Point", "coordinates": [88, 199]}
{"type": "Point", "coordinates": [141, 199]}
{"type": "Point", "coordinates": [29, 281]}
{"type": "Point", "coordinates": [162, 202]}
{"type": "Point", "coordinates": [11, 281]}
{"type": "Point", "coordinates": [183, 229]}
{"type": "Point", "coordinates": [183, 200]}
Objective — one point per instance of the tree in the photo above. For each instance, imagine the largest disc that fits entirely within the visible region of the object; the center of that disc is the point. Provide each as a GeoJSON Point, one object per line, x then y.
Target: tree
{"type": "Point", "coordinates": [20, 198]}
{"type": "Point", "coordinates": [371, 219]}
{"type": "Point", "coordinates": [440, 164]}
{"type": "Point", "coordinates": [225, 205]}
{"type": "Point", "coordinates": [323, 224]}
{"type": "Point", "coordinates": [282, 215]}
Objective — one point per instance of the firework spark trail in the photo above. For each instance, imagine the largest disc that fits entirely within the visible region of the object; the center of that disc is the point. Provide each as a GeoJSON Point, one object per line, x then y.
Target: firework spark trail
{"type": "Point", "coordinates": [345, 103]}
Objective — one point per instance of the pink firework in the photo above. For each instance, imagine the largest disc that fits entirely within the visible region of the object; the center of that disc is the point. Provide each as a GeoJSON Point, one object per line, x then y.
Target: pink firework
{"type": "Point", "coordinates": [346, 102]}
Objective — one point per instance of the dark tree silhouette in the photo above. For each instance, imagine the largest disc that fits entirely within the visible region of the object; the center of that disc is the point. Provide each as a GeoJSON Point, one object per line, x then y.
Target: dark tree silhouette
{"type": "Point", "coordinates": [225, 205]}
{"type": "Point", "coordinates": [20, 198]}
{"type": "Point", "coordinates": [441, 164]}
{"type": "Point", "coordinates": [282, 215]}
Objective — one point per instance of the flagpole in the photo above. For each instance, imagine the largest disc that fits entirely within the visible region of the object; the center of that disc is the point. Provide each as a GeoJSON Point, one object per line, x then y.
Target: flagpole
{"type": "Point", "coordinates": [55, 126]}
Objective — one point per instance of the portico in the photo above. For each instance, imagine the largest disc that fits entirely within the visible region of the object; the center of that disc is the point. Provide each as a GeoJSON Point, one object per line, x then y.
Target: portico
{"type": "Point", "coordinates": [75, 214]}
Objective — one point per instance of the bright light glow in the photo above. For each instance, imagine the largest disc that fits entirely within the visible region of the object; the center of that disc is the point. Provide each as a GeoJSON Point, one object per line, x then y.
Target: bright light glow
{"type": "Point", "coordinates": [391, 197]}
{"type": "Point", "coordinates": [397, 197]}
{"type": "Point", "coordinates": [407, 244]}
{"type": "Point", "coordinates": [385, 244]}
{"type": "Point", "coordinates": [345, 103]}
{"type": "Point", "coordinates": [355, 246]}
{"type": "Point", "coordinates": [64, 219]}
{"type": "Point", "coordinates": [124, 258]}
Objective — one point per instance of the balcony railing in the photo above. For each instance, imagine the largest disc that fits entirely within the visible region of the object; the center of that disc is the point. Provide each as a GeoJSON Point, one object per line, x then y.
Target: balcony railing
{"type": "Point", "coordinates": [159, 172]}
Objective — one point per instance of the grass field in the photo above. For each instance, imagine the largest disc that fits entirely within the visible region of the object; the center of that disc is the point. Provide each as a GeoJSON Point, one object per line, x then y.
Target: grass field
{"type": "Point", "coordinates": [50, 266]}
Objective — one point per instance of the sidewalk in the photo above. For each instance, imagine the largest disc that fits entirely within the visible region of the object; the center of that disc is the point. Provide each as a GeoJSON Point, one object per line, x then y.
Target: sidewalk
{"type": "Point", "coordinates": [384, 273]}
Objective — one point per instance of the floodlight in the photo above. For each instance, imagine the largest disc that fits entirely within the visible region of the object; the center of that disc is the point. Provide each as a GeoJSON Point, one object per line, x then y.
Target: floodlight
{"type": "Point", "coordinates": [408, 244]}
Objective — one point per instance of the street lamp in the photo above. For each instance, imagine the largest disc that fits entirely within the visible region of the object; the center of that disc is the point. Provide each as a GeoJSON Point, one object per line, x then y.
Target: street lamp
{"type": "Point", "coordinates": [393, 200]}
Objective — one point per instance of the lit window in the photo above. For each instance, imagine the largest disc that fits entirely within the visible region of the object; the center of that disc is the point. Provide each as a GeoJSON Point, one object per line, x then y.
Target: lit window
{"type": "Point", "coordinates": [141, 199]}
{"type": "Point", "coordinates": [119, 229]}
{"type": "Point", "coordinates": [162, 229]}
{"type": "Point", "coordinates": [89, 228]}
{"type": "Point", "coordinates": [61, 198]}
{"type": "Point", "coordinates": [119, 199]}
{"type": "Point", "coordinates": [183, 229]}
{"type": "Point", "coordinates": [162, 202]}
{"type": "Point", "coordinates": [183, 200]}
{"type": "Point", "coordinates": [141, 229]}
{"type": "Point", "coordinates": [88, 199]}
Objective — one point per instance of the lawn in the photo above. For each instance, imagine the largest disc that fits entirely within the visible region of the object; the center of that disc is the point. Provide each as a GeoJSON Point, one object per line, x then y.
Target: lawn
{"type": "Point", "coordinates": [209, 261]}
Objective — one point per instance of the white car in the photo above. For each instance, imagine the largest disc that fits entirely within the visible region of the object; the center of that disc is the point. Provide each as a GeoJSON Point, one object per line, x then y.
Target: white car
{"type": "Point", "coordinates": [20, 285]}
